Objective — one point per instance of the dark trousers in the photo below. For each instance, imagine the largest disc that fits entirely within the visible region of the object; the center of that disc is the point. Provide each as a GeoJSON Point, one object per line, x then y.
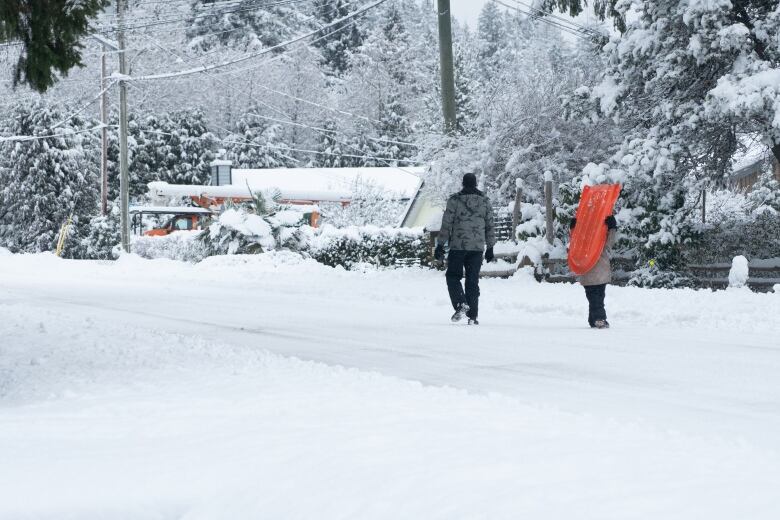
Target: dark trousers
{"type": "Point", "coordinates": [596, 310]}
{"type": "Point", "coordinates": [471, 263]}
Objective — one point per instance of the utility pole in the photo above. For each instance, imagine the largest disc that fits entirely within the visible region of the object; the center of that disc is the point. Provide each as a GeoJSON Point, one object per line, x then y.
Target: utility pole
{"type": "Point", "coordinates": [124, 197]}
{"type": "Point", "coordinates": [548, 203]}
{"type": "Point", "coordinates": [447, 68]}
{"type": "Point", "coordinates": [104, 135]}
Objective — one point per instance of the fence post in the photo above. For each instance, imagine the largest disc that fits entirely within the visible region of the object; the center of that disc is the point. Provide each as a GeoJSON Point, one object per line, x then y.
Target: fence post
{"type": "Point", "coordinates": [548, 205]}
{"type": "Point", "coordinates": [516, 213]}
{"type": "Point", "coordinates": [704, 205]}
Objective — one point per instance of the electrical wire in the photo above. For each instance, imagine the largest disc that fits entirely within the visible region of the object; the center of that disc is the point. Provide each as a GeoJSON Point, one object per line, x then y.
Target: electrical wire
{"type": "Point", "coordinates": [207, 68]}
{"type": "Point", "coordinates": [288, 121]}
{"type": "Point", "coordinates": [579, 27]}
{"type": "Point", "coordinates": [545, 20]}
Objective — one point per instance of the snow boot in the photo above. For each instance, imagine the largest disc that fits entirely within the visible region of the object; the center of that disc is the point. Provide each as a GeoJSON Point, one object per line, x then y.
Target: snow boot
{"type": "Point", "coordinates": [473, 321]}
{"type": "Point", "coordinates": [601, 324]}
{"type": "Point", "coordinates": [460, 313]}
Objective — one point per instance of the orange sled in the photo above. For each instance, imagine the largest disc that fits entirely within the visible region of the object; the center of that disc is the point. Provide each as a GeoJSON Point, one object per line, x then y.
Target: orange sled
{"type": "Point", "coordinates": [590, 234]}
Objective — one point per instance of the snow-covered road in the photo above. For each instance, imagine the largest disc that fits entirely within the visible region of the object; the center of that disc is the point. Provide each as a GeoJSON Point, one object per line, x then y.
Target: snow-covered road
{"type": "Point", "coordinates": [141, 389]}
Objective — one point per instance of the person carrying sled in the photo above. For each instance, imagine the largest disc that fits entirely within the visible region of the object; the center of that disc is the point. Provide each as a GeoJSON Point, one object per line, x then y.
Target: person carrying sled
{"type": "Point", "coordinates": [467, 227]}
{"type": "Point", "coordinates": [595, 281]}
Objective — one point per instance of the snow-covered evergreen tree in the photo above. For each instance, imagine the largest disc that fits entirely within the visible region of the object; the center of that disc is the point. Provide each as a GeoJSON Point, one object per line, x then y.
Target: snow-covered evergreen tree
{"type": "Point", "coordinates": [45, 180]}
{"type": "Point", "coordinates": [257, 144]}
{"type": "Point", "coordinates": [685, 80]}
{"type": "Point", "coordinates": [492, 39]}
{"type": "Point", "coordinates": [243, 25]}
{"type": "Point", "coordinates": [336, 42]}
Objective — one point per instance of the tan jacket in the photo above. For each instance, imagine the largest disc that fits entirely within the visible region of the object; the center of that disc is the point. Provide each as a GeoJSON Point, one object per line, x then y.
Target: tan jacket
{"type": "Point", "coordinates": [602, 271]}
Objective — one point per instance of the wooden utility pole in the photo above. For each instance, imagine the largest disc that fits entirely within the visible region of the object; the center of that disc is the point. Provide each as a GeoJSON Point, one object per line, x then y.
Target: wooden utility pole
{"type": "Point", "coordinates": [517, 210]}
{"type": "Point", "coordinates": [447, 68]}
{"type": "Point", "coordinates": [548, 202]}
{"type": "Point", "coordinates": [124, 197]}
{"type": "Point", "coordinates": [104, 135]}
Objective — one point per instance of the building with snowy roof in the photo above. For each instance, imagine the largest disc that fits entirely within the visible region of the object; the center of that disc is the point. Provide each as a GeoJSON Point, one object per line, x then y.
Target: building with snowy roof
{"type": "Point", "coordinates": [309, 186]}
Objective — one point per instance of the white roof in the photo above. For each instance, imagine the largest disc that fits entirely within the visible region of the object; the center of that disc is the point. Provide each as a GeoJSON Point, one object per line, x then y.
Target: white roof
{"type": "Point", "coordinates": [177, 210]}
{"type": "Point", "coordinates": [161, 190]}
{"type": "Point", "coordinates": [750, 156]}
{"type": "Point", "coordinates": [399, 182]}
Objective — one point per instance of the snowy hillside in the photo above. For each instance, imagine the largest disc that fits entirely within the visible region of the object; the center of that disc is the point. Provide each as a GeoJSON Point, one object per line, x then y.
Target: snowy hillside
{"type": "Point", "coordinates": [273, 387]}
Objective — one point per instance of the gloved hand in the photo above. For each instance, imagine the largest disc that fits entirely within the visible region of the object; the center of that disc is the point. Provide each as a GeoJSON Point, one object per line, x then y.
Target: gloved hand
{"type": "Point", "coordinates": [438, 253]}
{"type": "Point", "coordinates": [610, 222]}
{"type": "Point", "coordinates": [489, 256]}
{"type": "Point", "coordinates": [573, 223]}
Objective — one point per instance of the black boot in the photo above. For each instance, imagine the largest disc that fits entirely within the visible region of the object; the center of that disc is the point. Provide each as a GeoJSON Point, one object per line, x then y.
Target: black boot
{"type": "Point", "coordinates": [460, 313]}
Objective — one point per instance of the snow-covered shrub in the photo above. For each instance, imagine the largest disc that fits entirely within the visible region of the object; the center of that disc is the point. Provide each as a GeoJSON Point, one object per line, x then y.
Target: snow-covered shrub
{"type": "Point", "coordinates": [371, 206]}
{"type": "Point", "coordinates": [382, 247]}
{"type": "Point", "coordinates": [532, 221]}
{"type": "Point", "coordinates": [181, 245]}
{"type": "Point", "coordinates": [266, 226]}
{"type": "Point", "coordinates": [766, 193]}
{"type": "Point", "coordinates": [755, 235]}
{"type": "Point", "coordinates": [101, 237]}
{"type": "Point", "coordinates": [651, 276]}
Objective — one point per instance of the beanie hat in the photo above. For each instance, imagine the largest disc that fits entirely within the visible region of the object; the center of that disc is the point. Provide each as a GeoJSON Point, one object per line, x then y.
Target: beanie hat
{"type": "Point", "coordinates": [469, 180]}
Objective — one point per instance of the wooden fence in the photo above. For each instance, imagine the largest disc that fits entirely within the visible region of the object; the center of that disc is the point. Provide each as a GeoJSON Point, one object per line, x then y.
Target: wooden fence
{"type": "Point", "coordinates": [763, 274]}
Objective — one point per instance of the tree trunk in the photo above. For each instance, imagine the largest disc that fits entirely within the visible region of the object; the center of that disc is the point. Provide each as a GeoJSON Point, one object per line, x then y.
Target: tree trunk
{"type": "Point", "coordinates": [776, 151]}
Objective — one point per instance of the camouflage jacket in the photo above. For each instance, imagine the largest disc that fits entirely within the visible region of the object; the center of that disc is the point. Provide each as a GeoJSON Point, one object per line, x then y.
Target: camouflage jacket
{"type": "Point", "coordinates": [468, 222]}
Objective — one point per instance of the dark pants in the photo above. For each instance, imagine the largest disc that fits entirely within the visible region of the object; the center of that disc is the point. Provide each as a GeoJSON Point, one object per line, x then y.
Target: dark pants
{"type": "Point", "coordinates": [471, 262]}
{"type": "Point", "coordinates": [596, 311]}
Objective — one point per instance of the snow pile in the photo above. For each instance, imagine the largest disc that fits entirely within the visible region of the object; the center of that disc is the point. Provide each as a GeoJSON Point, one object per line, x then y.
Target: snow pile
{"type": "Point", "coordinates": [5, 252]}
{"type": "Point", "coordinates": [739, 273]}
{"type": "Point", "coordinates": [255, 267]}
{"type": "Point", "coordinates": [181, 245]}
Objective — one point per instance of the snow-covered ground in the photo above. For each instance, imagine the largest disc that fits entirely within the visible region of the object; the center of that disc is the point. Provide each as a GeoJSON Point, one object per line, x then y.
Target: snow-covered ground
{"type": "Point", "coordinates": [269, 387]}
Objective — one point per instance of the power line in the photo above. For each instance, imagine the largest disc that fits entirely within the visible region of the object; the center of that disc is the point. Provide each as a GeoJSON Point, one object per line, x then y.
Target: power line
{"type": "Point", "coordinates": [267, 50]}
{"type": "Point", "coordinates": [308, 19]}
{"type": "Point", "coordinates": [247, 142]}
{"type": "Point", "coordinates": [545, 20]}
{"type": "Point", "coordinates": [579, 27]}
{"type": "Point", "coordinates": [50, 136]}
{"type": "Point", "coordinates": [61, 122]}
{"type": "Point", "coordinates": [281, 112]}
{"type": "Point", "coordinates": [168, 21]}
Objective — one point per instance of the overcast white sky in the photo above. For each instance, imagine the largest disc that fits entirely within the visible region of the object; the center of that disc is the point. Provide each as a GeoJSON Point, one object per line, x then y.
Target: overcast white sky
{"type": "Point", "coordinates": [467, 10]}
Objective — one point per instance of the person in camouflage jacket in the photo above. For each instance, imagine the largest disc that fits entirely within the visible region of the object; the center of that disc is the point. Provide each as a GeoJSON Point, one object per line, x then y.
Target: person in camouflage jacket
{"type": "Point", "coordinates": [467, 226]}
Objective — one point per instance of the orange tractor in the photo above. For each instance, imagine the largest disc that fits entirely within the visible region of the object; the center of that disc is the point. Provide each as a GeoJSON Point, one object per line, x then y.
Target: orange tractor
{"type": "Point", "coordinates": [178, 219]}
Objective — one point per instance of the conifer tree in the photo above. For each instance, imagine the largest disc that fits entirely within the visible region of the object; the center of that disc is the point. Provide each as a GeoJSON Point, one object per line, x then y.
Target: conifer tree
{"type": "Point", "coordinates": [258, 143]}
{"type": "Point", "coordinates": [44, 180]}
{"type": "Point", "coordinates": [49, 32]}
{"type": "Point", "coordinates": [338, 42]}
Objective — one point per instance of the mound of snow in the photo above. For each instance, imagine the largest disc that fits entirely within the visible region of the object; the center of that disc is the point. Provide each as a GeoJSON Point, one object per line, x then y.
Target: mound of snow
{"type": "Point", "coordinates": [738, 275]}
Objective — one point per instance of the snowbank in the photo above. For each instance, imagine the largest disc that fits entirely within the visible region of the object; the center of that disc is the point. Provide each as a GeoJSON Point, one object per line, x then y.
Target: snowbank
{"type": "Point", "coordinates": [181, 245]}
{"type": "Point", "coordinates": [112, 419]}
{"type": "Point", "coordinates": [161, 389]}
